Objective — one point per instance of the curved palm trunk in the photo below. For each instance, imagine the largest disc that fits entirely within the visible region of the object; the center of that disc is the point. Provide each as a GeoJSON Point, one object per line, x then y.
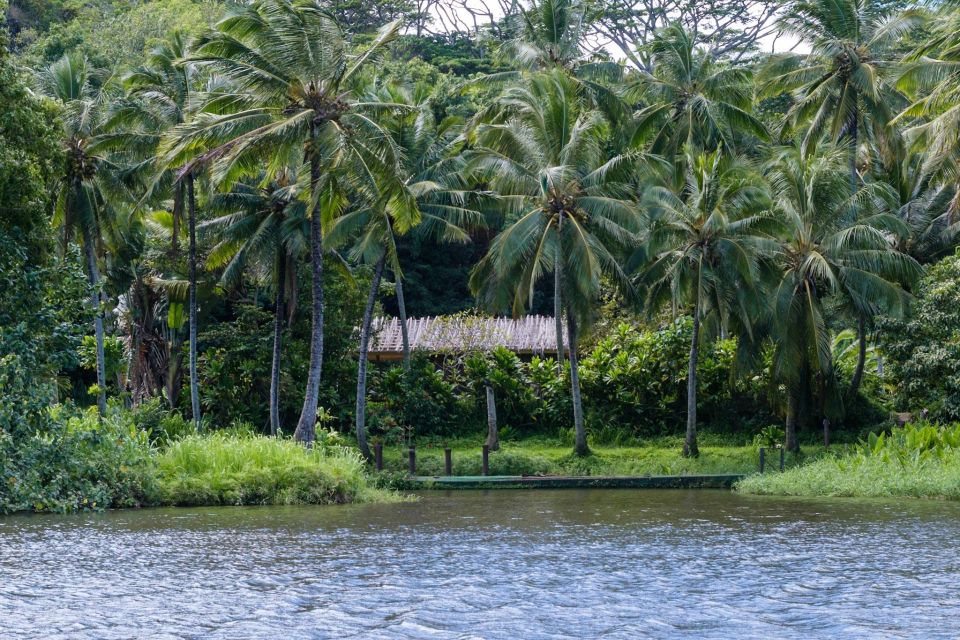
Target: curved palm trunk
{"type": "Point", "coordinates": [791, 427]}
{"type": "Point", "coordinates": [861, 357]}
{"type": "Point", "coordinates": [93, 275]}
{"type": "Point", "coordinates": [192, 223]}
{"type": "Point", "coordinates": [404, 333]}
{"type": "Point", "coordinates": [690, 448]}
{"type": "Point", "coordinates": [558, 298]}
{"type": "Point", "coordinates": [361, 414]}
{"type": "Point", "coordinates": [277, 335]}
{"type": "Point", "coordinates": [306, 425]}
{"type": "Point", "coordinates": [854, 144]}
{"type": "Point", "coordinates": [580, 447]}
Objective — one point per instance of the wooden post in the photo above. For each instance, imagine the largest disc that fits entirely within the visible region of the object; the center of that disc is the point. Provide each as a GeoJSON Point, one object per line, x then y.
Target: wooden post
{"type": "Point", "coordinates": [826, 432]}
{"type": "Point", "coordinates": [413, 461]}
{"type": "Point", "coordinates": [448, 462]}
{"type": "Point", "coordinates": [763, 456]}
{"type": "Point", "coordinates": [378, 455]}
{"type": "Point", "coordinates": [485, 470]}
{"type": "Point", "coordinates": [783, 451]}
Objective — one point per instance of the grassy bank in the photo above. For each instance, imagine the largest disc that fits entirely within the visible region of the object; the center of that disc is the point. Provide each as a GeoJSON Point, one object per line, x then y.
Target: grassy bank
{"type": "Point", "coordinates": [546, 457]}
{"type": "Point", "coordinates": [220, 469]}
{"type": "Point", "coordinates": [915, 462]}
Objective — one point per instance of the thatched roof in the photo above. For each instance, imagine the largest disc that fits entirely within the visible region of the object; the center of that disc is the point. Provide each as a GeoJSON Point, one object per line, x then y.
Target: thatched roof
{"type": "Point", "coordinates": [459, 334]}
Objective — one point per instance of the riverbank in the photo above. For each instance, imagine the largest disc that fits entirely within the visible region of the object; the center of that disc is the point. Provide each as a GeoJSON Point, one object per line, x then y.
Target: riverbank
{"type": "Point", "coordinates": [919, 461]}
{"type": "Point", "coordinates": [545, 457]}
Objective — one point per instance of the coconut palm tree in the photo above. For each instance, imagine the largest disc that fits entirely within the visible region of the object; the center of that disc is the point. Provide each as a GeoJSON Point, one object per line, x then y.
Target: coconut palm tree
{"type": "Point", "coordinates": [566, 211]}
{"type": "Point", "coordinates": [691, 100]}
{"type": "Point", "coordinates": [432, 170]}
{"type": "Point", "coordinates": [702, 252]}
{"type": "Point", "coordinates": [161, 90]}
{"type": "Point", "coordinates": [834, 245]}
{"type": "Point", "coordinates": [293, 76]}
{"type": "Point", "coordinates": [843, 88]}
{"type": "Point", "coordinates": [264, 226]}
{"type": "Point", "coordinates": [88, 173]}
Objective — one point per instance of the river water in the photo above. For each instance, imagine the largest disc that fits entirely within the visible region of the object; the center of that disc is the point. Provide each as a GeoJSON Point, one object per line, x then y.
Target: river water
{"type": "Point", "coordinates": [499, 564]}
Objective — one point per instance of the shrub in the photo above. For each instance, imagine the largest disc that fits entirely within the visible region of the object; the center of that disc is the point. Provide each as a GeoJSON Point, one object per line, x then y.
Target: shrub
{"type": "Point", "coordinates": [225, 469]}
{"type": "Point", "coordinates": [161, 425]}
{"type": "Point", "coordinates": [76, 463]}
{"type": "Point", "coordinates": [923, 353]}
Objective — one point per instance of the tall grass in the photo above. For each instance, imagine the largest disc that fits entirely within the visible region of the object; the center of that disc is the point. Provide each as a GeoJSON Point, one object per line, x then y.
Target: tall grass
{"type": "Point", "coordinates": [919, 461]}
{"type": "Point", "coordinates": [231, 469]}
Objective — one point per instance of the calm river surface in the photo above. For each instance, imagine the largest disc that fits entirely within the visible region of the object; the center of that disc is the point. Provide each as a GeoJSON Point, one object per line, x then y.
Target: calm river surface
{"type": "Point", "coordinates": [502, 564]}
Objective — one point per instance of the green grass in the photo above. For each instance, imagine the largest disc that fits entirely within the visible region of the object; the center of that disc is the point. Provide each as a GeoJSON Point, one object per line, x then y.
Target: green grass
{"type": "Point", "coordinates": [546, 457]}
{"type": "Point", "coordinates": [850, 474]}
{"type": "Point", "coordinates": [230, 469]}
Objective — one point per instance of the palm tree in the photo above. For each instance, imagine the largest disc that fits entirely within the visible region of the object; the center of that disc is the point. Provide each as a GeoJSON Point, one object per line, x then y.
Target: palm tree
{"type": "Point", "coordinates": [691, 99]}
{"type": "Point", "coordinates": [293, 74]}
{"type": "Point", "coordinates": [264, 226]}
{"type": "Point", "coordinates": [842, 88]}
{"type": "Point", "coordinates": [431, 169]}
{"type": "Point", "coordinates": [834, 245]}
{"type": "Point", "coordinates": [81, 207]}
{"type": "Point", "coordinates": [566, 211]}
{"type": "Point", "coordinates": [702, 252]}
{"type": "Point", "coordinates": [161, 90]}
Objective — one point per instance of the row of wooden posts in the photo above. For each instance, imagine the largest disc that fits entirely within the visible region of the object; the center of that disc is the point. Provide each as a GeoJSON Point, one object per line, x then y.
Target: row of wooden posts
{"type": "Point", "coordinates": [447, 459]}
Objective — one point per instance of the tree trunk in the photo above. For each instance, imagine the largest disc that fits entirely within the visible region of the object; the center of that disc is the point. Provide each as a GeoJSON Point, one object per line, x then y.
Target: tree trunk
{"type": "Point", "coordinates": [93, 275]}
{"type": "Point", "coordinates": [580, 447]}
{"type": "Point", "coordinates": [177, 217]}
{"type": "Point", "coordinates": [306, 426]}
{"type": "Point", "coordinates": [404, 333]}
{"type": "Point", "coordinates": [791, 429]}
{"type": "Point", "coordinates": [854, 145]}
{"type": "Point", "coordinates": [192, 223]}
{"type": "Point", "coordinates": [277, 336]}
{"type": "Point", "coordinates": [493, 437]}
{"type": "Point", "coordinates": [861, 357]}
{"type": "Point", "coordinates": [690, 448]}
{"type": "Point", "coordinates": [558, 296]}
{"type": "Point", "coordinates": [361, 414]}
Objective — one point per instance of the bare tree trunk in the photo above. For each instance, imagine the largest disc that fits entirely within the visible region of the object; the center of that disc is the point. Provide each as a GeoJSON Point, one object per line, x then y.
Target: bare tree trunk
{"type": "Point", "coordinates": [791, 429]}
{"type": "Point", "coordinates": [177, 217]}
{"type": "Point", "coordinates": [277, 337]}
{"type": "Point", "coordinates": [690, 448]}
{"type": "Point", "coordinates": [493, 436]}
{"type": "Point", "coordinates": [361, 414]}
{"type": "Point", "coordinates": [854, 139]}
{"type": "Point", "coordinates": [307, 425]}
{"type": "Point", "coordinates": [580, 447]}
{"type": "Point", "coordinates": [93, 275]}
{"type": "Point", "coordinates": [402, 310]}
{"type": "Point", "coordinates": [192, 222]}
{"type": "Point", "coordinates": [861, 357]}
{"type": "Point", "coordinates": [558, 296]}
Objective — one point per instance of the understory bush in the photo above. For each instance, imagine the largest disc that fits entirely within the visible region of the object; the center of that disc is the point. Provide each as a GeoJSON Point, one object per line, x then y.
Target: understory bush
{"type": "Point", "coordinates": [918, 460]}
{"type": "Point", "coordinates": [228, 469]}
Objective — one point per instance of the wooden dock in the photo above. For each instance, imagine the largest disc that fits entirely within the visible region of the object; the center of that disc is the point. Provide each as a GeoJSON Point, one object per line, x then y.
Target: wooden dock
{"type": "Point", "coordinates": [724, 481]}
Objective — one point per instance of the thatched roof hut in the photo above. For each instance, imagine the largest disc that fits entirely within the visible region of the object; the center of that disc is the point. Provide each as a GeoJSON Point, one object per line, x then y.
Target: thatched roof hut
{"type": "Point", "coordinates": [530, 335]}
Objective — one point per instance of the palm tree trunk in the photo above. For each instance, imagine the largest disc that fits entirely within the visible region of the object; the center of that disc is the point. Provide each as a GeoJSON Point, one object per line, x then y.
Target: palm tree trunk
{"type": "Point", "coordinates": [361, 414]}
{"type": "Point", "coordinates": [854, 146]}
{"type": "Point", "coordinates": [192, 222]}
{"type": "Point", "coordinates": [306, 426]}
{"type": "Point", "coordinates": [493, 436]}
{"type": "Point", "coordinates": [404, 333]}
{"type": "Point", "coordinates": [861, 357]}
{"type": "Point", "coordinates": [580, 447]}
{"type": "Point", "coordinates": [791, 428]}
{"type": "Point", "coordinates": [558, 296]}
{"type": "Point", "coordinates": [690, 448]}
{"type": "Point", "coordinates": [93, 275]}
{"type": "Point", "coordinates": [277, 335]}
{"type": "Point", "coordinates": [177, 217]}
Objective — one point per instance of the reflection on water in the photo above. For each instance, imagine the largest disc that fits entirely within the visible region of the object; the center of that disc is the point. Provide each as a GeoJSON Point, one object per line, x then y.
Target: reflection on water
{"type": "Point", "coordinates": [500, 564]}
